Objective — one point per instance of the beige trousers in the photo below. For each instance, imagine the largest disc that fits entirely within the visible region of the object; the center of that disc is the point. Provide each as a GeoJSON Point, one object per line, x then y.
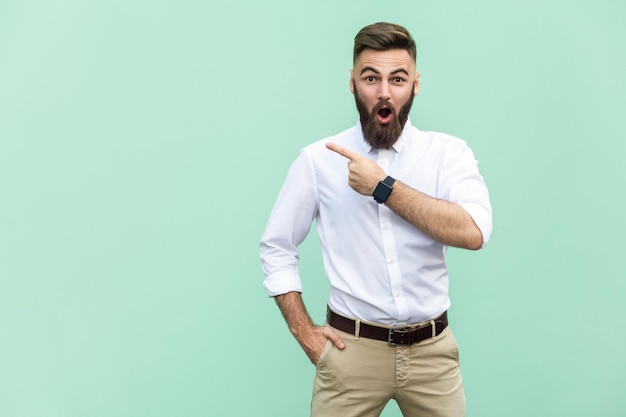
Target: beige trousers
{"type": "Point", "coordinates": [424, 378]}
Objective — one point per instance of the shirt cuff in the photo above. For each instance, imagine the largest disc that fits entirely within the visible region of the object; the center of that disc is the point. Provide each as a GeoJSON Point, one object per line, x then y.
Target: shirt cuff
{"type": "Point", "coordinates": [482, 219]}
{"type": "Point", "coordinates": [282, 282]}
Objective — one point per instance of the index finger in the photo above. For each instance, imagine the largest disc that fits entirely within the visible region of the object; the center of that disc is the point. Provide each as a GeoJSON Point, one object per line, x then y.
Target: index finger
{"type": "Point", "coordinates": [342, 151]}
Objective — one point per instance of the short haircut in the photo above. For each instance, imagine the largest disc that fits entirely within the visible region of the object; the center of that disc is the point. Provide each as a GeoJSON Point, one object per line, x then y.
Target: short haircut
{"type": "Point", "coordinates": [384, 36]}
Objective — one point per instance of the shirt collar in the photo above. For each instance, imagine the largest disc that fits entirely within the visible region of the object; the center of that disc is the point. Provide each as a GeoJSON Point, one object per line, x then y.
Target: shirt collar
{"type": "Point", "coordinates": [400, 143]}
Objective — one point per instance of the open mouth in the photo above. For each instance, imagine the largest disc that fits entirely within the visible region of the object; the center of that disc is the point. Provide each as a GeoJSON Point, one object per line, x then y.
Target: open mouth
{"type": "Point", "coordinates": [384, 115]}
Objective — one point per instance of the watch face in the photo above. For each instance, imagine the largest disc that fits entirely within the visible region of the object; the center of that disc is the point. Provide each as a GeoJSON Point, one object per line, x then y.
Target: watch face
{"type": "Point", "coordinates": [381, 193]}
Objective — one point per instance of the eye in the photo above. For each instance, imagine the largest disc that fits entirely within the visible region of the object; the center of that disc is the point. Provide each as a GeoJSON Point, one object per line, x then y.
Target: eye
{"type": "Point", "coordinates": [370, 79]}
{"type": "Point", "coordinates": [398, 80]}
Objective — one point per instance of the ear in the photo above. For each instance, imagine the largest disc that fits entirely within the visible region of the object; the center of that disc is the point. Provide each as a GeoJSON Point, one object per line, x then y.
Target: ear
{"type": "Point", "coordinates": [416, 83]}
{"type": "Point", "coordinates": [352, 81]}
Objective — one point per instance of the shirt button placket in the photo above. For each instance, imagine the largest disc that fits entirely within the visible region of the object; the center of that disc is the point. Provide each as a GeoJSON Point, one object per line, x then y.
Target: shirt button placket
{"type": "Point", "coordinates": [389, 245]}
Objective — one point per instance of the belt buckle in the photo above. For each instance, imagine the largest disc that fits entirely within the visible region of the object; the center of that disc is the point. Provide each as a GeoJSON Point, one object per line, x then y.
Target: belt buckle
{"type": "Point", "coordinates": [400, 336]}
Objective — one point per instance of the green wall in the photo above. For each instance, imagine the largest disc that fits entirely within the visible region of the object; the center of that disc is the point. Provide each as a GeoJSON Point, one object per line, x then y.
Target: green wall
{"type": "Point", "coordinates": [142, 145]}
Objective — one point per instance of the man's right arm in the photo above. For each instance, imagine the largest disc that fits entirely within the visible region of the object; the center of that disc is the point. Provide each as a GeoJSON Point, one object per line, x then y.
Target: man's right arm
{"type": "Point", "coordinates": [289, 223]}
{"type": "Point", "coordinates": [311, 338]}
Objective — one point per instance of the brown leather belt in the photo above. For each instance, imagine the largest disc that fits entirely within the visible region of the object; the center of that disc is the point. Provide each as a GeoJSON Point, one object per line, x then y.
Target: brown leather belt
{"type": "Point", "coordinates": [395, 335]}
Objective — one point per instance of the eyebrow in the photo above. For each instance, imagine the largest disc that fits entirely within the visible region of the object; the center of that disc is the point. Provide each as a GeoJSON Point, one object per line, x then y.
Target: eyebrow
{"type": "Point", "coordinates": [375, 71]}
{"type": "Point", "coordinates": [400, 71]}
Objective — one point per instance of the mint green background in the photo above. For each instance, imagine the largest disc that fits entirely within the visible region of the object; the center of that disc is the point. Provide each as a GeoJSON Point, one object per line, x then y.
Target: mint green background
{"type": "Point", "coordinates": [142, 145]}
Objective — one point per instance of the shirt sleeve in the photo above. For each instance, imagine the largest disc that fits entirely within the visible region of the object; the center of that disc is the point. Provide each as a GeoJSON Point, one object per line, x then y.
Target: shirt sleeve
{"type": "Point", "coordinates": [288, 225]}
{"type": "Point", "coordinates": [461, 183]}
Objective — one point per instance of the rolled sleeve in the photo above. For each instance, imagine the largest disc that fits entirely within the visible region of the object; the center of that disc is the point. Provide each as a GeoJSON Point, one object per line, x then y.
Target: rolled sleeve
{"type": "Point", "coordinates": [462, 184]}
{"type": "Point", "coordinates": [288, 225]}
{"type": "Point", "coordinates": [482, 218]}
{"type": "Point", "coordinates": [282, 282]}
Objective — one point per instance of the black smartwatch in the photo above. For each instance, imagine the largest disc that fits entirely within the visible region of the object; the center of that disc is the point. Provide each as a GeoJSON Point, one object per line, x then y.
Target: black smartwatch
{"type": "Point", "coordinates": [383, 190]}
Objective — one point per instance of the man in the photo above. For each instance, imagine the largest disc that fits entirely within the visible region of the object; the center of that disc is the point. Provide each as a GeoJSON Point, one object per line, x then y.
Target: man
{"type": "Point", "coordinates": [384, 224]}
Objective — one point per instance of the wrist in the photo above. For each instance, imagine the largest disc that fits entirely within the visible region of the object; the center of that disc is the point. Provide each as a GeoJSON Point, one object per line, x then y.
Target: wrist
{"type": "Point", "coordinates": [383, 190]}
{"type": "Point", "coordinates": [301, 330]}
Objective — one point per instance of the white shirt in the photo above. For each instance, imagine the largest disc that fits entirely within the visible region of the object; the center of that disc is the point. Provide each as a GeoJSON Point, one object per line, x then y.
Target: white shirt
{"type": "Point", "coordinates": [381, 268]}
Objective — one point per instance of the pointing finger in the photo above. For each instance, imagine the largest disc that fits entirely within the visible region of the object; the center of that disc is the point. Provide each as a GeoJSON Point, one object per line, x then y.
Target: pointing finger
{"type": "Point", "coordinates": [343, 151]}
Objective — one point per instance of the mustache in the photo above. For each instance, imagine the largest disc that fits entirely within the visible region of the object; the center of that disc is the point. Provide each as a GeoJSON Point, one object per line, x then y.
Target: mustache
{"type": "Point", "coordinates": [383, 104]}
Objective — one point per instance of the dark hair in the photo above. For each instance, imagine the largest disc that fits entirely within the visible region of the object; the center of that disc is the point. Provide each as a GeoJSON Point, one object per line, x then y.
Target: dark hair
{"type": "Point", "coordinates": [383, 36]}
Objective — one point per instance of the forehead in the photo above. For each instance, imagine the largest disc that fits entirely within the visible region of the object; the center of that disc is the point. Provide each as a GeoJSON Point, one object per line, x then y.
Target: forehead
{"type": "Point", "coordinates": [388, 60]}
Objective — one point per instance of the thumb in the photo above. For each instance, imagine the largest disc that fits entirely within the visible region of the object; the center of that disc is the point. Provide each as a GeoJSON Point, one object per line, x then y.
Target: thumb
{"type": "Point", "coordinates": [335, 338]}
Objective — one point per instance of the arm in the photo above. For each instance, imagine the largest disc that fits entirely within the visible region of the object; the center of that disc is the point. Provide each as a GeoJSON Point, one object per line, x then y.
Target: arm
{"type": "Point", "coordinates": [289, 224]}
{"type": "Point", "coordinates": [311, 338]}
{"type": "Point", "coordinates": [441, 220]}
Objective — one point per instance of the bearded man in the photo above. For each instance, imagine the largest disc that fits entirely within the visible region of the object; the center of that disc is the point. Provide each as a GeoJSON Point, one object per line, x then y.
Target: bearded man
{"type": "Point", "coordinates": [384, 222]}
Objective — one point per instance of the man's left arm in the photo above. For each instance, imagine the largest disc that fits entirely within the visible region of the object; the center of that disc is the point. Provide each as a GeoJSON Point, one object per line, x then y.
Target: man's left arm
{"type": "Point", "coordinates": [443, 221]}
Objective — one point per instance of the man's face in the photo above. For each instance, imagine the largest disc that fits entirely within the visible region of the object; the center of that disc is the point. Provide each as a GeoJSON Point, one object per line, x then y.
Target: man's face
{"type": "Point", "coordinates": [384, 84]}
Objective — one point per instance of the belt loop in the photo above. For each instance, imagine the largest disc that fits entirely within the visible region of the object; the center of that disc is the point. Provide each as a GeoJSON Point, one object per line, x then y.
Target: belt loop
{"type": "Point", "coordinates": [357, 329]}
{"type": "Point", "coordinates": [433, 327]}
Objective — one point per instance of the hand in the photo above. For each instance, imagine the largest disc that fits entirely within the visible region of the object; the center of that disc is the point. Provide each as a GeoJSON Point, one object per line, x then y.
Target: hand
{"type": "Point", "coordinates": [314, 341]}
{"type": "Point", "coordinates": [312, 338]}
{"type": "Point", "coordinates": [364, 174]}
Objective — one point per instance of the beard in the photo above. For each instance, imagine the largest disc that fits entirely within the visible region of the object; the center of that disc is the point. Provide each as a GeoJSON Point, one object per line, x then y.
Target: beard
{"type": "Point", "coordinates": [382, 136]}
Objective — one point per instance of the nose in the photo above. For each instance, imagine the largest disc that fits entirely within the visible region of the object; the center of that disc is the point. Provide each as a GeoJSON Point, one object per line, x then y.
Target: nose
{"type": "Point", "coordinates": [383, 91]}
